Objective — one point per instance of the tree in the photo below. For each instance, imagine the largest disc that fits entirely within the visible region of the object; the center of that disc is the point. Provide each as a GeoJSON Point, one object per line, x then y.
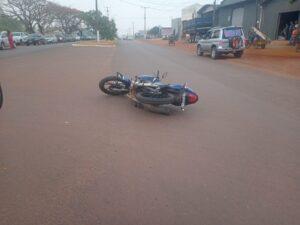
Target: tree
{"type": "Point", "coordinates": [66, 19]}
{"type": "Point", "coordinates": [8, 23]}
{"type": "Point", "coordinates": [106, 27]}
{"type": "Point", "coordinates": [43, 16]}
{"type": "Point", "coordinates": [155, 31]}
{"type": "Point", "coordinates": [24, 10]}
{"type": "Point", "coordinates": [292, 1]}
{"type": "Point", "coordinates": [92, 19]}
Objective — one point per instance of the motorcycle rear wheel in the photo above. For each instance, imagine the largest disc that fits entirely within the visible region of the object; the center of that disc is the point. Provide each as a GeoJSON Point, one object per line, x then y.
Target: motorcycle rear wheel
{"type": "Point", "coordinates": [146, 98]}
{"type": "Point", "coordinates": [113, 86]}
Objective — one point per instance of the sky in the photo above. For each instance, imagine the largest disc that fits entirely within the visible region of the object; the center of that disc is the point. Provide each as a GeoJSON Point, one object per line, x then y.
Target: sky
{"type": "Point", "coordinates": [129, 12]}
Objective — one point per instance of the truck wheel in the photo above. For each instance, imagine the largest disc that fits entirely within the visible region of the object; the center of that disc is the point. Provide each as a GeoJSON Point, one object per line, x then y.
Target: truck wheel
{"type": "Point", "coordinates": [214, 53]}
{"type": "Point", "coordinates": [199, 51]}
{"type": "Point", "coordinates": [238, 54]}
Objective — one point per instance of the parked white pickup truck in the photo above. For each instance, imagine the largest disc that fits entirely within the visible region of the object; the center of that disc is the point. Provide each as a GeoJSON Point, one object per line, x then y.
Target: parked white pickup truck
{"type": "Point", "coordinates": [20, 37]}
{"type": "Point", "coordinates": [222, 41]}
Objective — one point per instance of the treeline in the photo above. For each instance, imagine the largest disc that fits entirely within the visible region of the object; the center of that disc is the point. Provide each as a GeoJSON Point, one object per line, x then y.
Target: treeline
{"type": "Point", "coordinates": [45, 16]}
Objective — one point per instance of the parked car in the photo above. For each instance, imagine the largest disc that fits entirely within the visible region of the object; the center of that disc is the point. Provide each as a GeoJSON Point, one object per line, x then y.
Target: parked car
{"type": "Point", "coordinates": [36, 39]}
{"type": "Point", "coordinates": [60, 38]}
{"type": "Point", "coordinates": [87, 37]}
{"type": "Point", "coordinates": [51, 39]}
{"type": "Point", "coordinates": [4, 43]}
{"type": "Point", "coordinates": [70, 38]}
{"type": "Point", "coordinates": [20, 37]}
{"type": "Point", "coordinates": [225, 40]}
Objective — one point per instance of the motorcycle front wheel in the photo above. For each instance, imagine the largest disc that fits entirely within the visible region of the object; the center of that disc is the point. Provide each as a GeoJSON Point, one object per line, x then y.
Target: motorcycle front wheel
{"type": "Point", "coordinates": [113, 86]}
{"type": "Point", "coordinates": [151, 99]}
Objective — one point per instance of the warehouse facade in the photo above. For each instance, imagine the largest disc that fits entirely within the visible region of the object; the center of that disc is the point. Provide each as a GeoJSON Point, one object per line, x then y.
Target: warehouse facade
{"type": "Point", "coordinates": [270, 16]}
{"type": "Point", "coordinates": [276, 13]}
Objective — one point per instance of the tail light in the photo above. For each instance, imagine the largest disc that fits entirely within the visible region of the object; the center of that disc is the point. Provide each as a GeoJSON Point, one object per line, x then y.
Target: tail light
{"type": "Point", "coordinates": [192, 98]}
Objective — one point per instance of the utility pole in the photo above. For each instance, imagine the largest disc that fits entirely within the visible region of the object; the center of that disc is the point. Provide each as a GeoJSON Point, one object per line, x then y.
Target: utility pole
{"type": "Point", "coordinates": [133, 30]}
{"type": "Point", "coordinates": [214, 13]}
{"type": "Point", "coordinates": [97, 18]}
{"type": "Point", "coordinates": [107, 12]}
{"type": "Point", "coordinates": [145, 22]}
{"type": "Point", "coordinates": [259, 13]}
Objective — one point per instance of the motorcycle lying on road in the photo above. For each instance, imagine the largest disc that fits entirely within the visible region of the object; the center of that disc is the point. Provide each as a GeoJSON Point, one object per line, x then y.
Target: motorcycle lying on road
{"type": "Point", "coordinates": [148, 90]}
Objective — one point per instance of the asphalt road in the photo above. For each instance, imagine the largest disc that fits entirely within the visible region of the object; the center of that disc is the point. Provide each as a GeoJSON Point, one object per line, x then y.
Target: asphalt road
{"type": "Point", "coordinates": [25, 50]}
{"type": "Point", "coordinates": [71, 155]}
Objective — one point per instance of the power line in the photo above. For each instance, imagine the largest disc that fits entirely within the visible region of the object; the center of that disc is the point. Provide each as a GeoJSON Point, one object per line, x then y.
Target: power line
{"type": "Point", "coordinates": [169, 4]}
{"type": "Point", "coordinates": [140, 5]}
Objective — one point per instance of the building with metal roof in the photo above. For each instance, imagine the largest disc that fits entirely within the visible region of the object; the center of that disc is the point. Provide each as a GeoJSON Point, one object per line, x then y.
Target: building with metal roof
{"type": "Point", "coordinates": [270, 16]}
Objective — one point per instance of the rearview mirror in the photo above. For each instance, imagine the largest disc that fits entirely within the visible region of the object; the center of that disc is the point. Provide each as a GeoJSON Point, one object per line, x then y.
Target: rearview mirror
{"type": "Point", "coordinates": [120, 76]}
{"type": "Point", "coordinates": [157, 74]}
{"type": "Point", "coordinates": [164, 75]}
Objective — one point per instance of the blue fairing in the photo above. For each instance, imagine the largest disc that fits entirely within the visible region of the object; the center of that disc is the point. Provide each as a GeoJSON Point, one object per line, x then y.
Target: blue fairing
{"type": "Point", "coordinates": [127, 81]}
{"type": "Point", "coordinates": [178, 87]}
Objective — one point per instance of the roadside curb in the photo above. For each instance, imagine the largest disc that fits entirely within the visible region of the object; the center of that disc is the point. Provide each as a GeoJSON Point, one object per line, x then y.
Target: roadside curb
{"type": "Point", "coordinates": [91, 45]}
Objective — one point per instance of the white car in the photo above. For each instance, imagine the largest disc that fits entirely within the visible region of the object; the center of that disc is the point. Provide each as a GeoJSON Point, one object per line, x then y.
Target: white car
{"type": "Point", "coordinates": [20, 37]}
{"type": "Point", "coordinates": [4, 43]}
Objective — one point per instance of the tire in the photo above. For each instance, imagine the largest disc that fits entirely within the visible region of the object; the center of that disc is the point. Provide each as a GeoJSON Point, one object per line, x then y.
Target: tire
{"type": "Point", "coordinates": [199, 52]}
{"type": "Point", "coordinates": [168, 99]}
{"type": "Point", "coordinates": [2, 46]}
{"type": "Point", "coordinates": [111, 92]}
{"type": "Point", "coordinates": [1, 97]}
{"type": "Point", "coordinates": [263, 46]}
{"type": "Point", "coordinates": [214, 53]}
{"type": "Point", "coordinates": [238, 54]}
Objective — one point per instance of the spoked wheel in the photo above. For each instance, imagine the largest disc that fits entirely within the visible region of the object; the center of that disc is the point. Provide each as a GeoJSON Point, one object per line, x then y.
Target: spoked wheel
{"type": "Point", "coordinates": [155, 99]}
{"type": "Point", "coordinates": [113, 86]}
{"type": "Point", "coordinates": [214, 53]}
